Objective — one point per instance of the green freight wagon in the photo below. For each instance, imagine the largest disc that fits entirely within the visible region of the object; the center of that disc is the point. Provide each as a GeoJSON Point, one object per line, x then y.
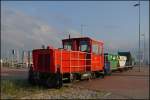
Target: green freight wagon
{"type": "Point", "coordinates": [114, 62]}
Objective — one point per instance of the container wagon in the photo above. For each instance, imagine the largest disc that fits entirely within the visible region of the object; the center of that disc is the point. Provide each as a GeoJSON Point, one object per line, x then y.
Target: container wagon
{"type": "Point", "coordinates": [122, 62]}
{"type": "Point", "coordinates": [112, 60]}
{"type": "Point", "coordinates": [129, 61]}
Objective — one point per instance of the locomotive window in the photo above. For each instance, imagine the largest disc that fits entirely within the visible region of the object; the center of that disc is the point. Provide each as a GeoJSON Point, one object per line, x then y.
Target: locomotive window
{"type": "Point", "coordinates": [84, 46]}
{"type": "Point", "coordinates": [67, 45]}
{"type": "Point", "coordinates": [95, 48]}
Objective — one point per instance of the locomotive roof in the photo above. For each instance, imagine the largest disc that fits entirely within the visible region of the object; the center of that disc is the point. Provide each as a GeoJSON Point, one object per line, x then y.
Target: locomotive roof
{"type": "Point", "coordinates": [82, 38]}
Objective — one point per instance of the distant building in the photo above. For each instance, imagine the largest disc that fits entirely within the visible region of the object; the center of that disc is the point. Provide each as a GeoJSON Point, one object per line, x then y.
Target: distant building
{"type": "Point", "coordinates": [26, 58]}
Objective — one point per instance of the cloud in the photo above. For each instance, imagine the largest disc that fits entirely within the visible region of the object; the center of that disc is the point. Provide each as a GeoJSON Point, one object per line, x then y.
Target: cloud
{"type": "Point", "coordinates": [21, 31]}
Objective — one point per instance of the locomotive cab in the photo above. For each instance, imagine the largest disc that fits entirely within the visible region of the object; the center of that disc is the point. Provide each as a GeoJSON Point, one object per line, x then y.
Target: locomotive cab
{"type": "Point", "coordinates": [83, 44]}
{"type": "Point", "coordinates": [93, 49]}
{"type": "Point", "coordinates": [77, 44]}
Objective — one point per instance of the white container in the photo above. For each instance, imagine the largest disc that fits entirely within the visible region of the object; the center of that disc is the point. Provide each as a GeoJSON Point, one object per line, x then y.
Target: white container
{"type": "Point", "coordinates": [122, 61]}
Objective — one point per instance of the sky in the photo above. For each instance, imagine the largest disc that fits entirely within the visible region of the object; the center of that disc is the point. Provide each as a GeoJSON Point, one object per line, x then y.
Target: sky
{"type": "Point", "coordinates": [29, 24]}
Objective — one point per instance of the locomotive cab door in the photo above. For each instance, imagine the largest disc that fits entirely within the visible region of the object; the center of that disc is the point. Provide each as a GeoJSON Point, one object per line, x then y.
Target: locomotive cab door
{"type": "Point", "coordinates": [85, 46]}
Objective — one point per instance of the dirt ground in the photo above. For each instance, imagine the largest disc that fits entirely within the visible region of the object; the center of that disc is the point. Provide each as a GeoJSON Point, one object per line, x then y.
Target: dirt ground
{"type": "Point", "coordinates": [130, 84]}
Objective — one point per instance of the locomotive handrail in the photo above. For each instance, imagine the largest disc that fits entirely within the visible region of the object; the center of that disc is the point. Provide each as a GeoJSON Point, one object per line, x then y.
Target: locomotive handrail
{"type": "Point", "coordinates": [72, 58]}
{"type": "Point", "coordinates": [76, 59]}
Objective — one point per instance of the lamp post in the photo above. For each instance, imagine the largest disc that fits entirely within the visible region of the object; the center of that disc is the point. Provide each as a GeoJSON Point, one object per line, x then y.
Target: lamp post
{"type": "Point", "coordinates": [139, 37]}
{"type": "Point", "coordinates": [144, 48]}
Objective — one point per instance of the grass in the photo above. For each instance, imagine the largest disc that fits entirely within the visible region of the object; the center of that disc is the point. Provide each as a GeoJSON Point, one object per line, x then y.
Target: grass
{"type": "Point", "coordinates": [11, 89]}
{"type": "Point", "coordinates": [17, 88]}
{"type": "Point", "coordinates": [20, 88]}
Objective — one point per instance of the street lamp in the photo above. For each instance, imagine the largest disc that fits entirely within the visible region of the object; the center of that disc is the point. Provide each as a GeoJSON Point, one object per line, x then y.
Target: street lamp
{"type": "Point", "coordinates": [139, 36]}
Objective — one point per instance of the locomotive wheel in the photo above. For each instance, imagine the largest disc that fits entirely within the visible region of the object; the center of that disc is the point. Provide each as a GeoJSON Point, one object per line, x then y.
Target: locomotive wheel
{"type": "Point", "coordinates": [54, 81]}
{"type": "Point", "coordinates": [102, 75]}
{"type": "Point", "coordinates": [78, 77]}
{"type": "Point", "coordinates": [99, 74]}
{"type": "Point", "coordinates": [51, 82]}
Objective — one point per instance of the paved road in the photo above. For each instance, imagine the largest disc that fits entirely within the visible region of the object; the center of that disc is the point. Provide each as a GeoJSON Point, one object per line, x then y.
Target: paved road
{"type": "Point", "coordinates": [128, 85]}
{"type": "Point", "coordinates": [11, 73]}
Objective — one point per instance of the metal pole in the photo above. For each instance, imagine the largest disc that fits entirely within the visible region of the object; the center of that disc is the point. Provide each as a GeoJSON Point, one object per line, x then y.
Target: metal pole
{"type": "Point", "coordinates": [143, 49]}
{"type": "Point", "coordinates": [139, 41]}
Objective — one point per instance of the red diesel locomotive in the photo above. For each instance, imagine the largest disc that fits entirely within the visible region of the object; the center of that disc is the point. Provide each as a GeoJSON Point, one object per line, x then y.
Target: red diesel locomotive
{"type": "Point", "coordinates": [80, 58]}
